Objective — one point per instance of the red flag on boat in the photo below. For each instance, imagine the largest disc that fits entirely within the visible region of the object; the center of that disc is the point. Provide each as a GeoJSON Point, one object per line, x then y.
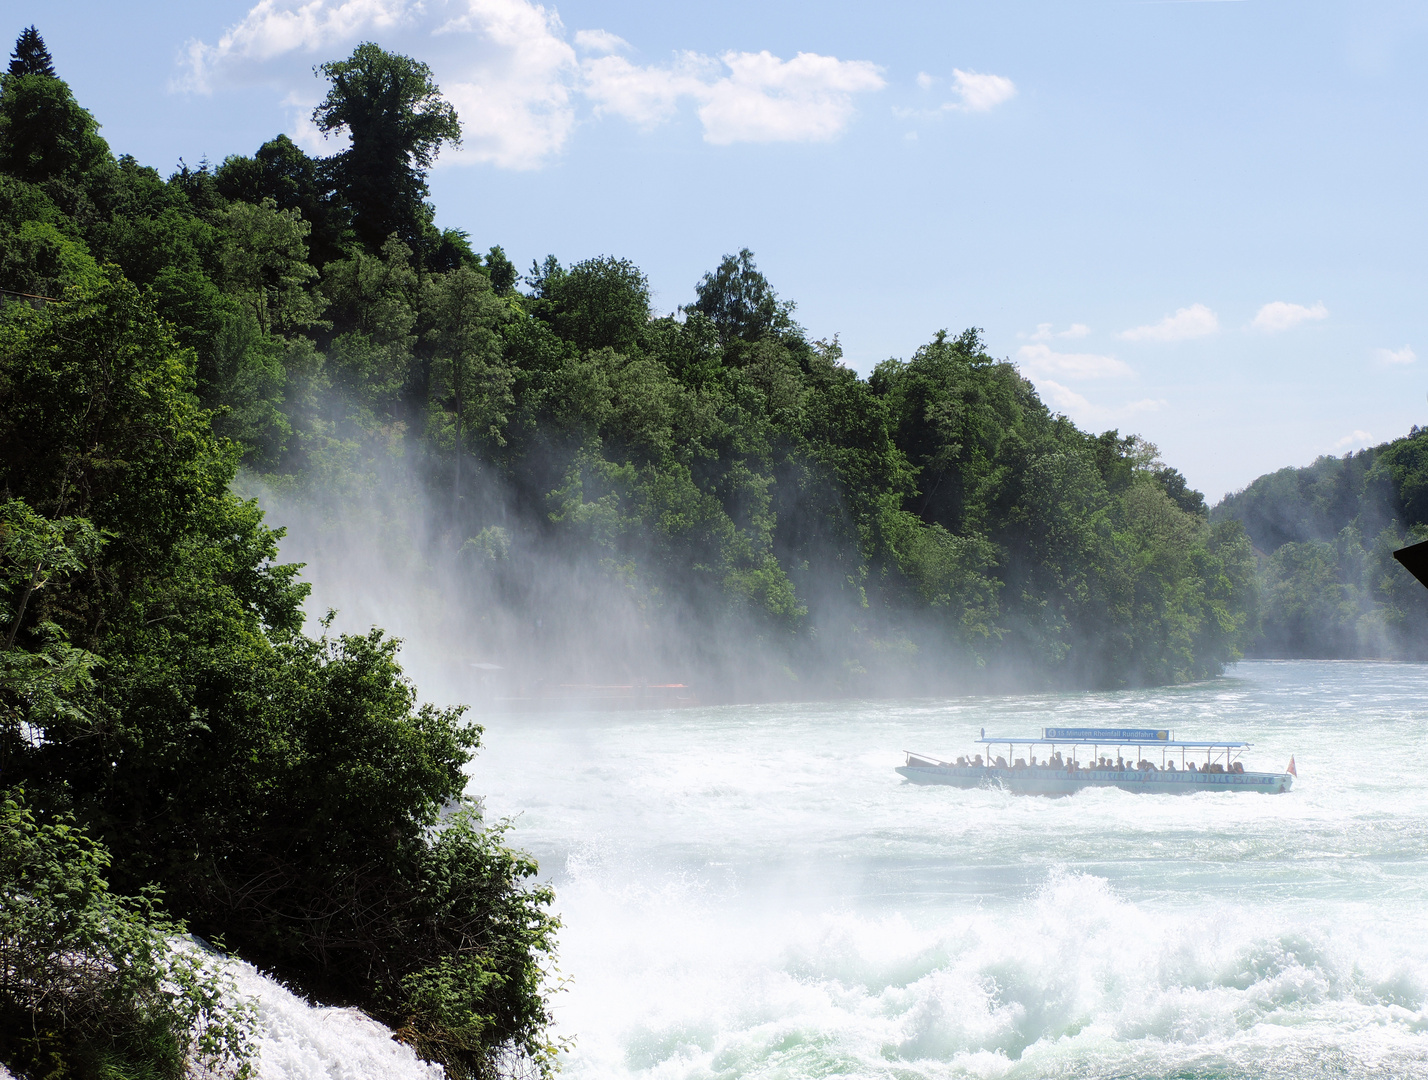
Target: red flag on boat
{"type": "Point", "coordinates": [1291, 770]}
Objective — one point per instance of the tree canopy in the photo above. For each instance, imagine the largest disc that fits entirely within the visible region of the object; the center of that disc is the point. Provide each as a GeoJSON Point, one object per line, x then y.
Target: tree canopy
{"type": "Point", "coordinates": [392, 111]}
{"type": "Point", "coordinates": [30, 57]}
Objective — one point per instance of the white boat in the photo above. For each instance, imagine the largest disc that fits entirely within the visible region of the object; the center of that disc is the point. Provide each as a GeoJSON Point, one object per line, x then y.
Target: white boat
{"type": "Point", "coordinates": [1077, 758]}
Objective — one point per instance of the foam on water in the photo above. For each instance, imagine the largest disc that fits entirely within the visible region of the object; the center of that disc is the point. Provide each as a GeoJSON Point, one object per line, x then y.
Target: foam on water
{"type": "Point", "coordinates": [753, 892]}
{"type": "Point", "coordinates": [299, 1041]}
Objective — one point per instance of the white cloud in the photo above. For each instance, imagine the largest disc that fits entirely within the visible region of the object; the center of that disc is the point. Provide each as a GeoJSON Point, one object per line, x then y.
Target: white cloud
{"type": "Point", "coordinates": [303, 131]}
{"type": "Point", "coordinates": [1044, 332]}
{"type": "Point", "coordinates": [1355, 439]}
{"type": "Point", "coordinates": [743, 97]}
{"type": "Point", "coordinates": [1042, 361]}
{"type": "Point", "coordinates": [515, 79]}
{"type": "Point", "coordinates": [600, 41]}
{"type": "Point", "coordinates": [514, 97]}
{"type": "Point", "coordinates": [765, 99]}
{"type": "Point", "coordinates": [975, 93]}
{"type": "Point", "coordinates": [1279, 315]}
{"type": "Point", "coordinates": [981, 92]}
{"type": "Point", "coordinates": [1405, 355]}
{"type": "Point", "coordinates": [271, 29]}
{"type": "Point", "coordinates": [1064, 398]}
{"type": "Point", "coordinates": [1087, 413]}
{"type": "Point", "coordinates": [1189, 322]}
{"type": "Point", "coordinates": [646, 96]}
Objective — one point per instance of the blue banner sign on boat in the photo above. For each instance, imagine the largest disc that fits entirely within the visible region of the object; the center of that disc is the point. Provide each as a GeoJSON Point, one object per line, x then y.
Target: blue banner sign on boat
{"type": "Point", "coordinates": [1105, 734]}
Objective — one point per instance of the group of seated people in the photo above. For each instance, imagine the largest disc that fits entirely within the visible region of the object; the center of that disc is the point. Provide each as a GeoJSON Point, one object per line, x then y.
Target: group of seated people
{"type": "Point", "coordinates": [1055, 761]}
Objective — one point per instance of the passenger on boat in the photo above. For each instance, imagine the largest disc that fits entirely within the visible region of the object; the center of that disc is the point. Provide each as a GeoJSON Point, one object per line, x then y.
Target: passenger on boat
{"type": "Point", "coordinates": [977, 761]}
{"type": "Point", "coordinates": [1170, 767]}
{"type": "Point", "coordinates": [1001, 762]}
{"type": "Point", "coordinates": [1191, 767]}
{"type": "Point", "coordinates": [1020, 763]}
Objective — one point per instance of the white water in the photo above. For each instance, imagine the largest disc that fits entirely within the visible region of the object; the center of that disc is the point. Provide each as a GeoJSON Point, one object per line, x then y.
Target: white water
{"type": "Point", "coordinates": [753, 892]}
{"type": "Point", "coordinates": [299, 1041]}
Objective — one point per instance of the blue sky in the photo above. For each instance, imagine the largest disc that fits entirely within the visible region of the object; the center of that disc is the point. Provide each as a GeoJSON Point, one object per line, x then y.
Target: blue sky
{"type": "Point", "coordinates": [1200, 221]}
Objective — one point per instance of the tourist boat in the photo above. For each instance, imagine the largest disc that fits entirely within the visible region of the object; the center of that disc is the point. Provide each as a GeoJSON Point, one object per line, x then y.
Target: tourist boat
{"type": "Point", "coordinates": [1077, 758]}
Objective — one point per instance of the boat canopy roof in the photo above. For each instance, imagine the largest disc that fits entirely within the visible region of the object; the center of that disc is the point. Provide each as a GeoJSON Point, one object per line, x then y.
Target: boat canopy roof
{"type": "Point", "coordinates": [1105, 738]}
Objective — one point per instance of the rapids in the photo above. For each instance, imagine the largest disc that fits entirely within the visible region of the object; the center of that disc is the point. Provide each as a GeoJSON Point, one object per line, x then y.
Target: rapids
{"type": "Point", "coordinates": [751, 891]}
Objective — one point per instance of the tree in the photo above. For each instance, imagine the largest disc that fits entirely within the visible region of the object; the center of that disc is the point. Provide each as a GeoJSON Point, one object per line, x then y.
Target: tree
{"type": "Point", "coordinates": [394, 114]}
{"type": "Point", "coordinates": [599, 303]}
{"type": "Point", "coordinates": [287, 793]}
{"type": "Point", "coordinates": [503, 272]}
{"type": "Point", "coordinates": [374, 298]}
{"type": "Point", "coordinates": [94, 984]}
{"type": "Point", "coordinates": [264, 258]}
{"type": "Point", "coordinates": [740, 301]}
{"type": "Point", "coordinates": [282, 172]}
{"type": "Point", "coordinates": [44, 133]}
{"type": "Point", "coordinates": [464, 312]}
{"type": "Point", "coordinates": [30, 56]}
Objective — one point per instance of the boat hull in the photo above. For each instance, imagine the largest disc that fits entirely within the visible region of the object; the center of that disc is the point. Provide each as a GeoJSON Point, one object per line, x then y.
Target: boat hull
{"type": "Point", "coordinates": [1032, 781]}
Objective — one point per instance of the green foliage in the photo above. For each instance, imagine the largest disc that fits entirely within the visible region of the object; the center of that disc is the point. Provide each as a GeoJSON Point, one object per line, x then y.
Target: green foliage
{"type": "Point", "coordinates": [280, 171]}
{"type": "Point", "coordinates": [290, 789]}
{"type": "Point", "coordinates": [44, 133]}
{"type": "Point", "coordinates": [97, 985]}
{"type": "Point", "coordinates": [502, 271]}
{"type": "Point", "coordinates": [1325, 535]}
{"type": "Point", "coordinates": [600, 303]}
{"type": "Point", "coordinates": [477, 1004]}
{"type": "Point", "coordinates": [264, 262]}
{"type": "Point", "coordinates": [374, 302]}
{"type": "Point", "coordinates": [30, 56]}
{"type": "Point", "coordinates": [471, 383]}
{"type": "Point", "coordinates": [393, 112]}
{"type": "Point", "coordinates": [740, 302]}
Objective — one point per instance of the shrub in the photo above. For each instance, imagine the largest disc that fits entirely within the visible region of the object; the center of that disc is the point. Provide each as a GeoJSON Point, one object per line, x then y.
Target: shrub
{"type": "Point", "coordinates": [94, 985]}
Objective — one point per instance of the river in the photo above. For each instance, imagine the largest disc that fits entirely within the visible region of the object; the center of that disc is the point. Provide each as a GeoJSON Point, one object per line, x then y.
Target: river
{"type": "Point", "coordinates": [751, 891]}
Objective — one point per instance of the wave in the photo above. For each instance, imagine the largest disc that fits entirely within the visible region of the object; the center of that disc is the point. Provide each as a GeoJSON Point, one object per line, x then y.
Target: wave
{"type": "Point", "coordinates": [682, 981]}
{"type": "Point", "coordinates": [297, 1040]}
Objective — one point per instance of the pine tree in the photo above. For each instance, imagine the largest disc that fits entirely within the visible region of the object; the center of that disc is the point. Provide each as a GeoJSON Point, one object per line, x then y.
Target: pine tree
{"type": "Point", "coordinates": [30, 56]}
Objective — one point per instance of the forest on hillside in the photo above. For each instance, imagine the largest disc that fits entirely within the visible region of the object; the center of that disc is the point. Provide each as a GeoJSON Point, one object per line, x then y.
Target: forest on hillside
{"type": "Point", "coordinates": [1324, 537]}
{"type": "Point", "coordinates": [580, 484]}
{"type": "Point", "coordinates": [737, 503]}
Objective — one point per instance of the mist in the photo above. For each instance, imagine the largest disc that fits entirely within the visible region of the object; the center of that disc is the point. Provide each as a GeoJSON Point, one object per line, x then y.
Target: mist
{"type": "Point", "coordinates": [500, 611]}
{"type": "Point", "coordinates": [1324, 536]}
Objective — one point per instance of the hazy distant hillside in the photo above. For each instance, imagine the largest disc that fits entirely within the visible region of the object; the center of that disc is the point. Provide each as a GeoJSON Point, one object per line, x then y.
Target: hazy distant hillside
{"type": "Point", "coordinates": [1324, 536]}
